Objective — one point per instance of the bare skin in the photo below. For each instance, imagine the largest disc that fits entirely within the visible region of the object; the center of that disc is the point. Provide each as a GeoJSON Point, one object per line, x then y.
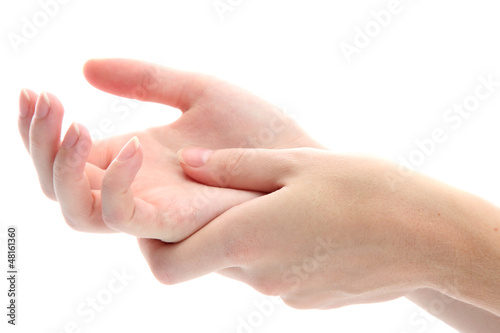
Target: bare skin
{"type": "Point", "coordinates": [340, 234]}
{"type": "Point", "coordinates": [168, 205]}
{"type": "Point", "coordinates": [137, 186]}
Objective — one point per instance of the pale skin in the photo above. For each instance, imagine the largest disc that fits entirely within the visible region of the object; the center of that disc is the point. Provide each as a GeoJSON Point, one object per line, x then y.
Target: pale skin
{"type": "Point", "coordinates": [318, 229]}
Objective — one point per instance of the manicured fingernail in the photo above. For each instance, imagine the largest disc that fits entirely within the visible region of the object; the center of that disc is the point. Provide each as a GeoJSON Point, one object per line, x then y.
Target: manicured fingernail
{"type": "Point", "coordinates": [24, 104]}
{"type": "Point", "coordinates": [71, 136]}
{"type": "Point", "coordinates": [194, 157]}
{"type": "Point", "coordinates": [129, 150]}
{"type": "Point", "coordinates": [42, 106]}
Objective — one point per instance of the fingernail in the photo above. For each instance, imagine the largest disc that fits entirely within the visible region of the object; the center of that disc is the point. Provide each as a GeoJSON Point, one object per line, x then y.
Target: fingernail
{"type": "Point", "coordinates": [71, 136]}
{"type": "Point", "coordinates": [42, 106]}
{"type": "Point", "coordinates": [24, 104]}
{"type": "Point", "coordinates": [194, 157]}
{"type": "Point", "coordinates": [129, 150]}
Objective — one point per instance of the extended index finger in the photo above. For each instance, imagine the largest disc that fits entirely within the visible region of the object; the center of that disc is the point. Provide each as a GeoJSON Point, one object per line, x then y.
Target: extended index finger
{"type": "Point", "coordinates": [146, 81]}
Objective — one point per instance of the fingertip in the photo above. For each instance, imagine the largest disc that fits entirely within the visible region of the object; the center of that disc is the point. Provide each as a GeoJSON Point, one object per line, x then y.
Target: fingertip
{"type": "Point", "coordinates": [82, 130]}
{"type": "Point", "coordinates": [192, 161]}
{"type": "Point", "coordinates": [129, 150]}
{"type": "Point", "coordinates": [42, 106]}
{"type": "Point", "coordinates": [89, 68]}
{"type": "Point", "coordinates": [122, 171]}
{"type": "Point", "coordinates": [48, 103]}
{"type": "Point", "coordinates": [28, 95]}
{"type": "Point", "coordinates": [113, 75]}
{"type": "Point", "coordinates": [119, 207]}
{"type": "Point", "coordinates": [27, 102]}
{"type": "Point", "coordinates": [25, 93]}
{"type": "Point", "coordinates": [24, 103]}
{"type": "Point", "coordinates": [45, 98]}
{"type": "Point", "coordinates": [155, 252]}
{"type": "Point", "coordinates": [194, 157]}
{"type": "Point", "coordinates": [72, 135]}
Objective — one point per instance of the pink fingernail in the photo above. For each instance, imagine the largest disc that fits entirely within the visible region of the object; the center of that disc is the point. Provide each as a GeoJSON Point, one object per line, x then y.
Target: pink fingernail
{"type": "Point", "coordinates": [194, 157]}
{"type": "Point", "coordinates": [71, 136]}
{"type": "Point", "coordinates": [42, 106]}
{"type": "Point", "coordinates": [24, 104]}
{"type": "Point", "coordinates": [129, 150]}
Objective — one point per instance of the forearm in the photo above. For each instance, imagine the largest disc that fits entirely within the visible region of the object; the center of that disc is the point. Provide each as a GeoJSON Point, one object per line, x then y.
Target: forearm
{"type": "Point", "coordinates": [464, 317]}
{"type": "Point", "coordinates": [464, 261]}
{"type": "Point", "coordinates": [475, 276]}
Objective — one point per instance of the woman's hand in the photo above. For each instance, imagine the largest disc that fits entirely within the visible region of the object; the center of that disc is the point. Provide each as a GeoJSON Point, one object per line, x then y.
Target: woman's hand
{"type": "Point", "coordinates": [332, 231]}
{"type": "Point", "coordinates": [160, 201]}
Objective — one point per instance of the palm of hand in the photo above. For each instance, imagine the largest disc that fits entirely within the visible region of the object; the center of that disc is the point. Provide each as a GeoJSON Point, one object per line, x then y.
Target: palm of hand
{"type": "Point", "coordinates": [187, 204]}
{"type": "Point", "coordinates": [215, 115]}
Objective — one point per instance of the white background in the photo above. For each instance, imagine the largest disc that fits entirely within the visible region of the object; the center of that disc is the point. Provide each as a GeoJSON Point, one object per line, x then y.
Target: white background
{"type": "Point", "coordinates": [395, 91]}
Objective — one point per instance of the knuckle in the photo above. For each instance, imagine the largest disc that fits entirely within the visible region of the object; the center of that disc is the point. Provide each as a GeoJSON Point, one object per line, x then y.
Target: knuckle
{"type": "Point", "coordinates": [73, 224]}
{"type": "Point", "coordinates": [60, 171]}
{"type": "Point", "coordinates": [100, 152]}
{"type": "Point", "coordinates": [162, 276]}
{"type": "Point", "coordinates": [197, 88]}
{"type": "Point", "coordinates": [296, 302]}
{"type": "Point", "coordinates": [302, 156]}
{"type": "Point", "coordinates": [115, 217]}
{"type": "Point", "coordinates": [150, 81]}
{"type": "Point", "coordinates": [299, 159]}
{"type": "Point", "coordinates": [161, 272]}
{"type": "Point", "coordinates": [292, 302]}
{"type": "Point", "coordinates": [233, 164]}
{"type": "Point", "coordinates": [111, 217]}
{"type": "Point", "coordinates": [267, 286]}
{"type": "Point", "coordinates": [35, 142]}
{"type": "Point", "coordinates": [65, 165]}
{"type": "Point", "coordinates": [147, 83]}
{"type": "Point", "coordinates": [107, 185]}
{"type": "Point", "coordinates": [48, 191]}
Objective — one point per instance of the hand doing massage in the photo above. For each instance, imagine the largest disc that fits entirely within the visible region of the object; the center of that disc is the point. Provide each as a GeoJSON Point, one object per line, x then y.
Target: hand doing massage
{"type": "Point", "coordinates": [333, 231]}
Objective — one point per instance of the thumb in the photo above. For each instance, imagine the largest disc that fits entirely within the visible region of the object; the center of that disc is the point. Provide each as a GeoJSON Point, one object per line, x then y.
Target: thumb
{"type": "Point", "coordinates": [262, 170]}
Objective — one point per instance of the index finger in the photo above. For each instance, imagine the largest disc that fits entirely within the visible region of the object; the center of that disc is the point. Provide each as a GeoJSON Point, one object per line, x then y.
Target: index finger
{"type": "Point", "coordinates": [146, 81]}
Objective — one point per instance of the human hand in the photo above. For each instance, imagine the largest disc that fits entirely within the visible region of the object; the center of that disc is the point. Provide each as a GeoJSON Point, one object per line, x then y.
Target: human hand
{"type": "Point", "coordinates": [332, 231]}
{"type": "Point", "coordinates": [160, 201]}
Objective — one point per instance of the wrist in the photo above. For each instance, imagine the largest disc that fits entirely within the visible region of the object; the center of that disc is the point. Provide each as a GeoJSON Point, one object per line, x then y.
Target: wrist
{"type": "Point", "coordinates": [467, 263]}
